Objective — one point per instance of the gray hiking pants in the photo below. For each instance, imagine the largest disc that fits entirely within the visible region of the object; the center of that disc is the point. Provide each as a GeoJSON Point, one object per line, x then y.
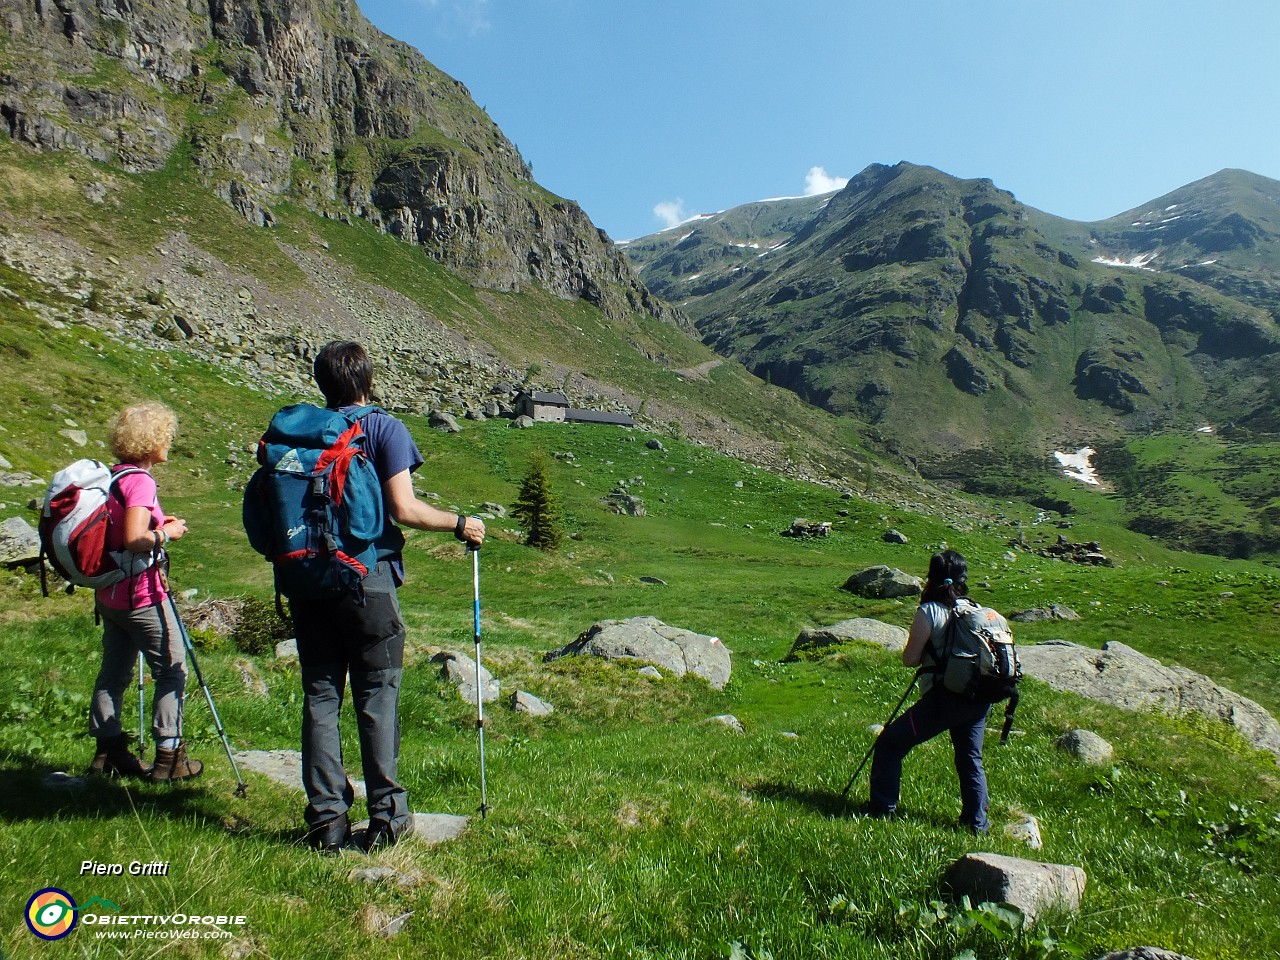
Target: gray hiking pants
{"type": "Point", "coordinates": [337, 640]}
{"type": "Point", "coordinates": [155, 632]}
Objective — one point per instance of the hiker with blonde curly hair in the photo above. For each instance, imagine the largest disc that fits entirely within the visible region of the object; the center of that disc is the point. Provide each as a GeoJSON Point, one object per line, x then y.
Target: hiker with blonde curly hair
{"type": "Point", "coordinates": [134, 613]}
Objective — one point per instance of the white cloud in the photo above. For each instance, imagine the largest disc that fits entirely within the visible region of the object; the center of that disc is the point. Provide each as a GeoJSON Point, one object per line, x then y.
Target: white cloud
{"type": "Point", "coordinates": [670, 213]}
{"type": "Point", "coordinates": [818, 181]}
{"type": "Point", "coordinates": [460, 16]}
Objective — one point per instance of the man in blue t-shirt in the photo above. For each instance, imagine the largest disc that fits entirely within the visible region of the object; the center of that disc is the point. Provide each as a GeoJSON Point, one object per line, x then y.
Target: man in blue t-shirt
{"type": "Point", "coordinates": [363, 640]}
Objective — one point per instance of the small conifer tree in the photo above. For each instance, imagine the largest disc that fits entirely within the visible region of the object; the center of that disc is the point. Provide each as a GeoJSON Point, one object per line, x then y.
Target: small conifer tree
{"type": "Point", "coordinates": [535, 507]}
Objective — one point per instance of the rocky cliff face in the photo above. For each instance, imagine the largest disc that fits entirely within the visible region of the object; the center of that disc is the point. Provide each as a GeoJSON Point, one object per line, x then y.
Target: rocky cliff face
{"type": "Point", "coordinates": [307, 101]}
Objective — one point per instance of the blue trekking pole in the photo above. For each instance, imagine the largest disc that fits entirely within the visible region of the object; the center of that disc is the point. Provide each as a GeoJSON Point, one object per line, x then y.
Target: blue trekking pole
{"type": "Point", "coordinates": [475, 580]}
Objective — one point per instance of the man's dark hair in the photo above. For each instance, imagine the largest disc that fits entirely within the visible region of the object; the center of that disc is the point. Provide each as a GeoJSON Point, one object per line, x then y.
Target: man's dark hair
{"type": "Point", "coordinates": [343, 373]}
{"type": "Point", "coordinates": [946, 583]}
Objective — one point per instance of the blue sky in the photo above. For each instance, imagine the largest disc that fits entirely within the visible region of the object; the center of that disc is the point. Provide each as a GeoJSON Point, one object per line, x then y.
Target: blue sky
{"type": "Point", "coordinates": [647, 111]}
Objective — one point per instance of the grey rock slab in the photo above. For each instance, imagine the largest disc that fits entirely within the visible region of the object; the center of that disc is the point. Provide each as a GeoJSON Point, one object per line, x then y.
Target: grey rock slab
{"type": "Point", "coordinates": [282, 766]}
{"type": "Point", "coordinates": [649, 640]}
{"type": "Point", "coordinates": [878, 632]}
{"type": "Point", "coordinates": [429, 829]}
{"type": "Point", "coordinates": [1029, 885]}
{"type": "Point", "coordinates": [1123, 677]}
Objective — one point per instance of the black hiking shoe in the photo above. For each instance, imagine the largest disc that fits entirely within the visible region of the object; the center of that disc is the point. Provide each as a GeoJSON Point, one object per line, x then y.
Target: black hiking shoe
{"type": "Point", "coordinates": [330, 836]}
{"type": "Point", "coordinates": [379, 834]}
{"type": "Point", "coordinates": [114, 759]}
{"type": "Point", "coordinates": [871, 811]}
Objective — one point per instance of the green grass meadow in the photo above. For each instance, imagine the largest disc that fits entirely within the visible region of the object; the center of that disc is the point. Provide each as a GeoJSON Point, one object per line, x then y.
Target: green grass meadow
{"type": "Point", "coordinates": [626, 824]}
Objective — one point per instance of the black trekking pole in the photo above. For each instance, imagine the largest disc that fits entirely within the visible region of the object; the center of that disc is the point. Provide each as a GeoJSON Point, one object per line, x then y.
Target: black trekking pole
{"type": "Point", "coordinates": [242, 788]}
{"type": "Point", "coordinates": [871, 749]}
{"type": "Point", "coordinates": [142, 705]}
{"type": "Point", "coordinates": [475, 579]}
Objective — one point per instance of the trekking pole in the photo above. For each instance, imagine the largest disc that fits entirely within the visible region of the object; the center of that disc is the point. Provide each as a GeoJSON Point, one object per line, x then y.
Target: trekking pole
{"type": "Point", "coordinates": [242, 788]}
{"type": "Point", "coordinates": [871, 749]}
{"type": "Point", "coordinates": [475, 580]}
{"type": "Point", "coordinates": [142, 705]}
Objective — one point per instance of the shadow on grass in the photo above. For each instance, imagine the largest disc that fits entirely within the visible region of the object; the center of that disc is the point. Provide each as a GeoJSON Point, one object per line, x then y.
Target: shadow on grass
{"type": "Point", "coordinates": [30, 790]}
{"type": "Point", "coordinates": [832, 805]}
{"type": "Point", "coordinates": [824, 802]}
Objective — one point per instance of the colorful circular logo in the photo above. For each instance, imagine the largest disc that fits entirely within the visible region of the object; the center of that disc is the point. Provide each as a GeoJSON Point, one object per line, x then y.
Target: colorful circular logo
{"type": "Point", "coordinates": [51, 913]}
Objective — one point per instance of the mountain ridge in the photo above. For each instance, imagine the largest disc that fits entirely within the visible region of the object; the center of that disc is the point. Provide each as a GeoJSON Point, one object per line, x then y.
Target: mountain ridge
{"type": "Point", "coordinates": [908, 270]}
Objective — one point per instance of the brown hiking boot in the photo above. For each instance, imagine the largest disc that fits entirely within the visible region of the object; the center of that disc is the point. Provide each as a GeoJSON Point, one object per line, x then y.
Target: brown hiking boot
{"type": "Point", "coordinates": [173, 765]}
{"type": "Point", "coordinates": [115, 759]}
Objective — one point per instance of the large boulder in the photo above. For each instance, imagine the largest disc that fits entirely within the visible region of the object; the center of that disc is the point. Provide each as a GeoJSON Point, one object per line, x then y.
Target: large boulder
{"type": "Point", "coordinates": [883, 583]}
{"type": "Point", "coordinates": [649, 640]}
{"type": "Point", "coordinates": [865, 629]}
{"type": "Point", "coordinates": [1029, 885]}
{"type": "Point", "coordinates": [1123, 677]}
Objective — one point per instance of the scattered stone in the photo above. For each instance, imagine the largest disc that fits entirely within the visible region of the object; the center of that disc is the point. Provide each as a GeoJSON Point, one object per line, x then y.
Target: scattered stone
{"type": "Point", "coordinates": [1144, 953]}
{"type": "Point", "coordinates": [883, 583]}
{"type": "Point", "coordinates": [497, 509]}
{"type": "Point", "coordinates": [1055, 611]}
{"type": "Point", "coordinates": [654, 580]}
{"type": "Point", "coordinates": [625, 504]}
{"type": "Point", "coordinates": [1086, 553]}
{"type": "Point", "coordinates": [250, 678]}
{"type": "Point", "coordinates": [728, 720]}
{"type": "Point", "coordinates": [523, 702]}
{"type": "Point", "coordinates": [1123, 677]}
{"type": "Point", "coordinates": [444, 422]}
{"type": "Point", "coordinates": [649, 640]}
{"type": "Point", "coordinates": [1024, 828]}
{"type": "Point", "coordinates": [522, 422]}
{"type": "Point", "coordinates": [19, 543]}
{"type": "Point", "coordinates": [655, 444]}
{"type": "Point", "coordinates": [894, 536]}
{"type": "Point", "coordinates": [287, 649]}
{"type": "Point", "coordinates": [858, 629]}
{"type": "Point", "coordinates": [216, 617]}
{"type": "Point", "coordinates": [789, 735]}
{"type": "Point", "coordinates": [78, 437]}
{"type": "Point", "coordinates": [460, 670]}
{"type": "Point", "coordinates": [1026, 884]}
{"type": "Point", "coordinates": [806, 529]}
{"type": "Point", "coordinates": [375, 921]}
{"type": "Point", "coordinates": [372, 874]}
{"type": "Point", "coordinates": [1085, 745]}
{"type": "Point", "coordinates": [650, 673]}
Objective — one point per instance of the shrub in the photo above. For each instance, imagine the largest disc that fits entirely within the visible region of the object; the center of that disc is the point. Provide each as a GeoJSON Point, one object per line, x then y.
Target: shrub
{"type": "Point", "coordinates": [260, 627]}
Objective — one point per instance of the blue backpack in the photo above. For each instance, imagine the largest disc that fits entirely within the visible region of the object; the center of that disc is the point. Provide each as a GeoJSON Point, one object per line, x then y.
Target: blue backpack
{"type": "Point", "coordinates": [314, 505]}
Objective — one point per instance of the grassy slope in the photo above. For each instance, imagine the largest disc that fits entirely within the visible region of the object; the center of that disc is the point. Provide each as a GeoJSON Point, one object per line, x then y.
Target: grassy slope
{"type": "Point", "coordinates": [624, 825]}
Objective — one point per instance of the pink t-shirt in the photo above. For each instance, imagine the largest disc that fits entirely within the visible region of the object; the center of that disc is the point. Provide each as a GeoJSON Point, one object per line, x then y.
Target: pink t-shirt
{"type": "Point", "coordinates": [147, 588]}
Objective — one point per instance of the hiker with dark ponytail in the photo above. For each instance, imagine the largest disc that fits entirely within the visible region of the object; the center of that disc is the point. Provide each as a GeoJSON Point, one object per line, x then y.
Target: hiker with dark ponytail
{"type": "Point", "coordinates": [938, 709]}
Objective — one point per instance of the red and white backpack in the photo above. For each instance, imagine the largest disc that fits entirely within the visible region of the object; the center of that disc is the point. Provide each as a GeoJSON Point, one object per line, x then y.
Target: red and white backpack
{"type": "Point", "coordinates": [73, 527]}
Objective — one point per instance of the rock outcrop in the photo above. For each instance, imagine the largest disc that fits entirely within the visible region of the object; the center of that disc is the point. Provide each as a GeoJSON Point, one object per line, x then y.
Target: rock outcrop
{"type": "Point", "coordinates": [1123, 677]}
{"type": "Point", "coordinates": [649, 640]}
{"type": "Point", "coordinates": [303, 101]}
